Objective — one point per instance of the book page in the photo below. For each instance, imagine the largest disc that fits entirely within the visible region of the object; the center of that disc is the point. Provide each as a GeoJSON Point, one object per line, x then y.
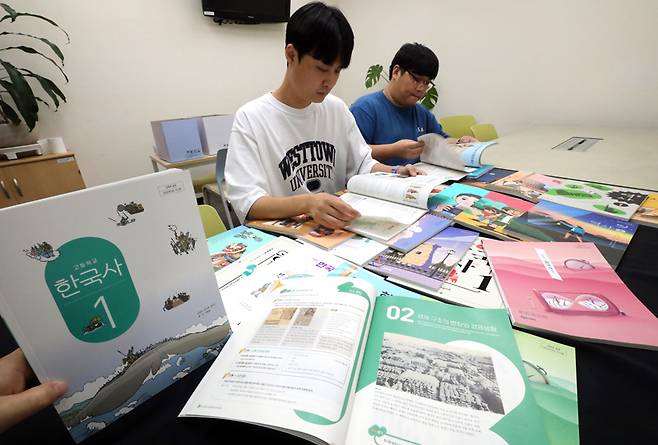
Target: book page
{"type": "Point", "coordinates": [444, 174]}
{"type": "Point", "coordinates": [452, 155]}
{"type": "Point", "coordinates": [295, 363]}
{"type": "Point", "coordinates": [242, 298]}
{"type": "Point", "coordinates": [436, 373]}
{"type": "Point", "coordinates": [408, 190]}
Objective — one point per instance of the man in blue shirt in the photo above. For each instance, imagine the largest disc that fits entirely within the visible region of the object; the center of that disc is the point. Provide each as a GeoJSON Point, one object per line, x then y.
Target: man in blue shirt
{"type": "Point", "coordinates": [392, 119]}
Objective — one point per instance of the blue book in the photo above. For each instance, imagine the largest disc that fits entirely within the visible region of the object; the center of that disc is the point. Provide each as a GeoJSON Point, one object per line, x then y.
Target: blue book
{"type": "Point", "coordinates": [229, 246]}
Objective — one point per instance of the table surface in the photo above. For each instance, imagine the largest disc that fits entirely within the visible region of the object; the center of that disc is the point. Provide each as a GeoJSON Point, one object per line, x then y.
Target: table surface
{"type": "Point", "coordinates": [617, 389]}
{"type": "Point", "coordinates": [624, 156]}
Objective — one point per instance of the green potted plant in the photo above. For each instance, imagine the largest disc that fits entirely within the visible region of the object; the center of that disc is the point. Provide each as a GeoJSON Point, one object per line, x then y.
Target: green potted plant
{"type": "Point", "coordinates": [22, 90]}
{"type": "Point", "coordinates": [376, 73]}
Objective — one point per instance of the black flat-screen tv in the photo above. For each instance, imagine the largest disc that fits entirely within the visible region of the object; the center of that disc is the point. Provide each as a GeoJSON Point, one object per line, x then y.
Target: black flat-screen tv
{"type": "Point", "coordinates": [248, 11]}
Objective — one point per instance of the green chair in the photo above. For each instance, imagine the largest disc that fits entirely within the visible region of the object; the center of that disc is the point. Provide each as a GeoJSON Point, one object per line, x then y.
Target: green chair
{"type": "Point", "coordinates": [484, 132]}
{"type": "Point", "coordinates": [212, 223]}
{"type": "Point", "coordinates": [457, 126]}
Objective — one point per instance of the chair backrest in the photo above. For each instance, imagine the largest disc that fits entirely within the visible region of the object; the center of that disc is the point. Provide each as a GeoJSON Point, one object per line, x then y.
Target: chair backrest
{"type": "Point", "coordinates": [212, 223]}
{"type": "Point", "coordinates": [220, 164]}
{"type": "Point", "coordinates": [484, 132]}
{"type": "Point", "coordinates": [457, 126]}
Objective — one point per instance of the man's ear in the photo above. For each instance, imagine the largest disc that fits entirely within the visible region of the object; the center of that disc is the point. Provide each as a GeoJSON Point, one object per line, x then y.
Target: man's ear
{"type": "Point", "coordinates": [396, 73]}
{"type": "Point", "coordinates": [291, 53]}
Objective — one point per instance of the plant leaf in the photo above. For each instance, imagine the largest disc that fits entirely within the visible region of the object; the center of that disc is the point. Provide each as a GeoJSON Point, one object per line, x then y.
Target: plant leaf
{"type": "Point", "coordinates": [52, 46]}
{"type": "Point", "coordinates": [373, 75]}
{"type": "Point", "coordinates": [430, 98]}
{"type": "Point", "coordinates": [9, 113]}
{"type": "Point", "coordinates": [31, 50]}
{"type": "Point", "coordinates": [38, 99]}
{"type": "Point", "coordinates": [48, 86]}
{"type": "Point", "coordinates": [13, 15]}
{"type": "Point", "coordinates": [22, 94]}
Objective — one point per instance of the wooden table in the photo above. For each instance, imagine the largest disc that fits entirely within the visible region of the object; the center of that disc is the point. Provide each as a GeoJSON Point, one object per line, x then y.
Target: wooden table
{"type": "Point", "coordinates": [623, 156]}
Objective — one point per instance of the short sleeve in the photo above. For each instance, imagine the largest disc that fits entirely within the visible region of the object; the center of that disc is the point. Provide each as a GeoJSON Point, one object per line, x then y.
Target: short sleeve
{"type": "Point", "coordinates": [359, 159]}
{"type": "Point", "coordinates": [365, 119]}
{"type": "Point", "coordinates": [434, 126]}
{"type": "Point", "coordinates": [244, 172]}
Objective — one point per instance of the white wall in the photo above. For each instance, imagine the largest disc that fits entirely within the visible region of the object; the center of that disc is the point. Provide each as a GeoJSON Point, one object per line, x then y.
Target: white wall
{"type": "Point", "coordinates": [513, 63]}
{"type": "Point", "coordinates": [524, 62]}
{"type": "Point", "coordinates": [131, 62]}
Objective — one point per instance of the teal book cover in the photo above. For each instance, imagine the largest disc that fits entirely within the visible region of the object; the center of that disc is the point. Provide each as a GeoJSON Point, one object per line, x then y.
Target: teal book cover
{"type": "Point", "coordinates": [110, 289]}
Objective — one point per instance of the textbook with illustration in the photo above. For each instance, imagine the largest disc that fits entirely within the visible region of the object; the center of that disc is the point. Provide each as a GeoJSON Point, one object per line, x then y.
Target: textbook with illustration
{"type": "Point", "coordinates": [227, 247]}
{"type": "Point", "coordinates": [469, 283]}
{"type": "Point", "coordinates": [249, 263]}
{"type": "Point", "coordinates": [609, 200]}
{"type": "Point", "coordinates": [569, 289]}
{"type": "Point", "coordinates": [526, 185]}
{"type": "Point", "coordinates": [324, 360]}
{"type": "Point", "coordinates": [548, 221]}
{"type": "Point", "coordinates": [303, 227]}
{"type": "Point", "coordinates": [430, 262]}
{"type": "Point", "coordinates": [551, 370]}
{"type": "Point", "coordinates": [461, 157]}
{"type": "Point", "coordinates": [110, 289]}
{"type": "Point", "coordinates": [647, 214]}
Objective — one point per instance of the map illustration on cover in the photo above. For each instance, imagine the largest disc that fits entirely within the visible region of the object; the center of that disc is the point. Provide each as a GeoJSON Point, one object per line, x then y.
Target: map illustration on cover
{"type": "Point", "coordinates": [110, 289]}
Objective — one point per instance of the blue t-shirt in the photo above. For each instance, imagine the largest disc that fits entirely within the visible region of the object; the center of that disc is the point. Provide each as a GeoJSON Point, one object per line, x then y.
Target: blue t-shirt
{"type": "Point", "coordinates": [381, 122]}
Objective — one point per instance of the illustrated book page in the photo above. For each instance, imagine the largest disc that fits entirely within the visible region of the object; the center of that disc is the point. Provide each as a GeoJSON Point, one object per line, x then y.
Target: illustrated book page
{"type": "Point", "coordinates": [110, 289]}
{"type": "Point", "coordinates": [460, 157]}
{"type": "Point", "coordinates": [412, 191]}
{"type": "Point", "coordinates": [551, 370]}
{"type": "Point", "coordinates": [229, 246]}
{"type": "Point", "coordinates": [437, 373]}
{"type": "Point", "coordinates": [294, 364]}
{"type": "Point", "coordinates": [569, 289]}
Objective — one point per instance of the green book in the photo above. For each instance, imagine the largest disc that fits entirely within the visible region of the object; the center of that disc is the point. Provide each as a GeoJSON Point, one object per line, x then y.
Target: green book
{"type": "Point", "coordinates": [551, 369]}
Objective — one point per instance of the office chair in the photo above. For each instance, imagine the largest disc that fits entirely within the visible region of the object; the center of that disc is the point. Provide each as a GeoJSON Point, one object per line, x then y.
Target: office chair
{"type": "Point", "coordinates": [212, 223]}
{"type": "Point", "coordinates": [484, 132]}
{"type": "Point", "coordinates": [220, 164]}
{"type": "Point", "coordinates": [457, 126]}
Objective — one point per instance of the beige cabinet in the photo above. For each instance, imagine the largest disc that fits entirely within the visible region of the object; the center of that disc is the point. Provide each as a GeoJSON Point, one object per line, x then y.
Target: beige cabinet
{"type": "Point", "coordinates": [37, 177]}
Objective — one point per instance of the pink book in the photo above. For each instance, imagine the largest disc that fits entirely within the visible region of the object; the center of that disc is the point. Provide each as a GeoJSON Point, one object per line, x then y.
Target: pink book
{"type": "Point", "coordinates": [569, 289]}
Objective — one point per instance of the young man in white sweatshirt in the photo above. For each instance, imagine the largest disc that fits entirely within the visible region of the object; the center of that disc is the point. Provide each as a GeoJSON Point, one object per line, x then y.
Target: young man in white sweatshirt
{"type": "Point", "coordinates": [291, 149]}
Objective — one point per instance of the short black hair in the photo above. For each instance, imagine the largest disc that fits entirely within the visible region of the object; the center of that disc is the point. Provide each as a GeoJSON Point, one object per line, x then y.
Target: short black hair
{"type": "Point", "coordinates": [321, 31]}
{"type": "Point", "coordinates": [416, 58]}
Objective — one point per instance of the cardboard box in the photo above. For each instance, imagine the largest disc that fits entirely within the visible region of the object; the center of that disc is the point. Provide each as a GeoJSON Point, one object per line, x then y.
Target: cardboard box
{"type": "Point", "coordinates": [177, 139]}
{"type": "Point", "coordinates": [215, 132]}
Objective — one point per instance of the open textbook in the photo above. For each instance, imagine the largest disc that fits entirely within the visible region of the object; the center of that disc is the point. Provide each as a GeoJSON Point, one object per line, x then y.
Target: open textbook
{"type": "Point", "coordinates": [569, 289]}
{"type": "Point", "coordinates": [323, 360]}
{"type": "Point", "coordinates": [110, 289]}
{"type": "Point", "coordinates": [462, 157]}
{"type": "Point", "coordinates": [390, 203]}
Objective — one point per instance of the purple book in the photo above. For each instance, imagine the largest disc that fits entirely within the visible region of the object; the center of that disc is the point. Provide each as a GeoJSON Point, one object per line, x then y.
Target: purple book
{"type": "Point", "coordinates": [429, 263]}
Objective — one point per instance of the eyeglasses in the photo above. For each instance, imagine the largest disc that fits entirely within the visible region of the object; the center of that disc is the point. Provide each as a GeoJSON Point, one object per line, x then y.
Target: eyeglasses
{"type": "Point", "coordinates": [425, 84]}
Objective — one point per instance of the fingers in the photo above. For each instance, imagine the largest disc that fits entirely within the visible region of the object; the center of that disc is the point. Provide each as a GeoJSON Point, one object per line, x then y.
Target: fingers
{"type": "Point", "coordinates": [332, 212]}
{"type": "Point", "coordinates": [17, 407]}
{"type": "Point", "coordinates": [14, 372]}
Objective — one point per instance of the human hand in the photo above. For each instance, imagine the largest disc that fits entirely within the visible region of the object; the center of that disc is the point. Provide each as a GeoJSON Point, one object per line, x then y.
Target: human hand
{"type": "Point", "coordinates": [410, 170]}
{"type": "Point", "coordinates": [408, 149]}
{"type": "Point", "coordinates": [466, 140]}
{"type": "Point", "coordinates": [331, 211]}
{"type": "Point", "coordinates": [17, 403]}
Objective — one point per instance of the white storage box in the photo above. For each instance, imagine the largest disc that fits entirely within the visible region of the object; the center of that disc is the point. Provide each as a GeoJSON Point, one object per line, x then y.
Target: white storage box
{"type": "Point", "coordinates": [177, 139]}
{"type": "Point", "coordinates": [215, 132]}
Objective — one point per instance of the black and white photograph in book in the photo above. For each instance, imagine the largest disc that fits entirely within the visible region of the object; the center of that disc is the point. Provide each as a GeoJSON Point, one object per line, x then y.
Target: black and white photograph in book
{"type": "Point", "coordinates": [436, 371]}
